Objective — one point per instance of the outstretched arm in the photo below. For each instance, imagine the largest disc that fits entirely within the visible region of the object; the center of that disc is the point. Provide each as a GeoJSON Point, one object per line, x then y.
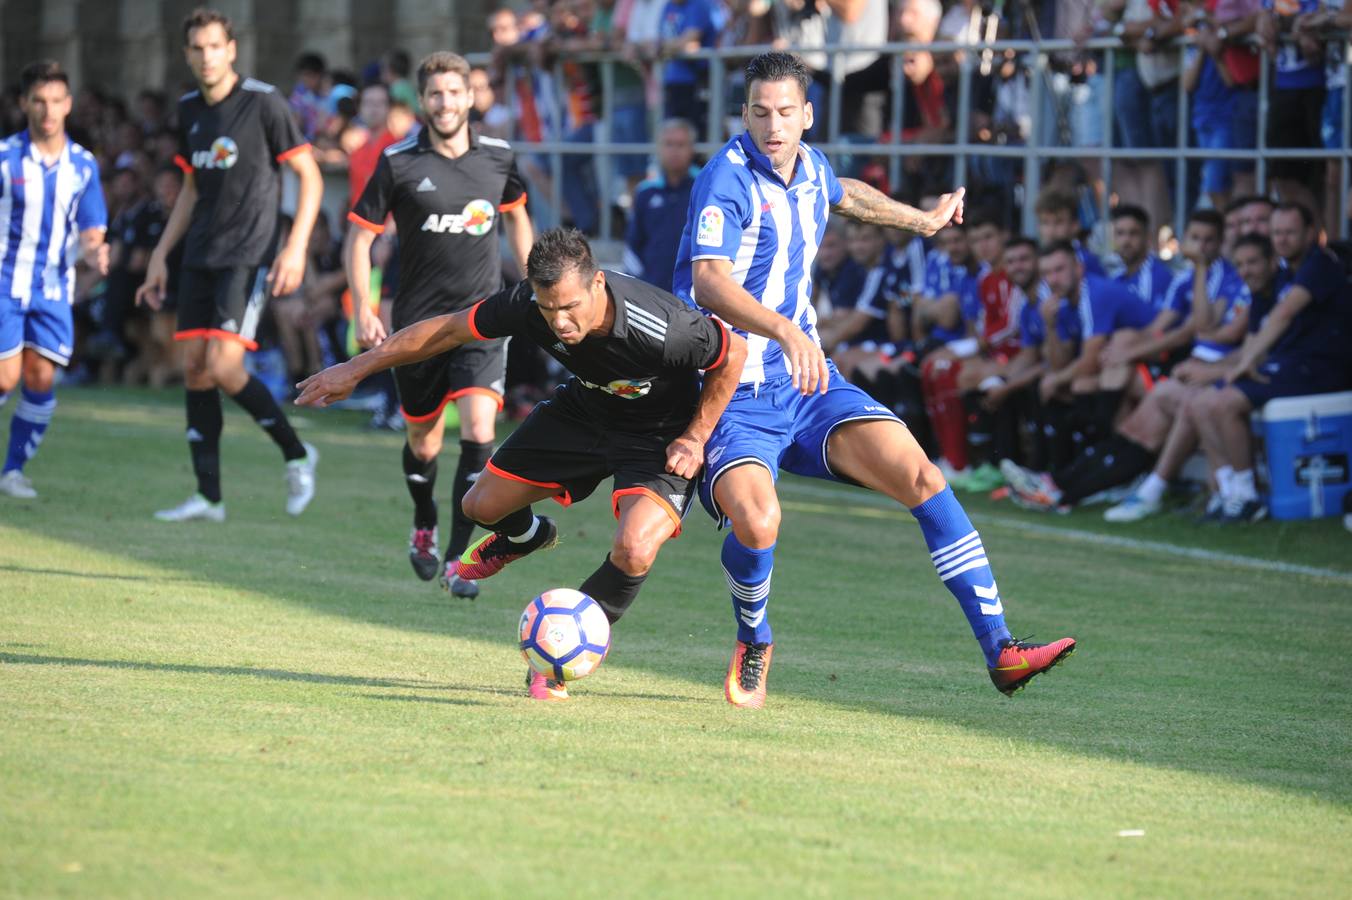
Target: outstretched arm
{"type": "Point", "coordinates": [417, 342]}
{"type": "Point", "coordinates": [865, 204]}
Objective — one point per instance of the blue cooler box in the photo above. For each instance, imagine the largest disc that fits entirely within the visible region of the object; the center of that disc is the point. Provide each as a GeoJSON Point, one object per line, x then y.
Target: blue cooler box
{"type": "Point", "coordinates": [1309, 442]}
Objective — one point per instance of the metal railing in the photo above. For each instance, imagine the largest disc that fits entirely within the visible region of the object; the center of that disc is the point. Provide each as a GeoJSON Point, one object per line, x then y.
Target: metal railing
{"type": "Point", "coordinates": [1035, 66]}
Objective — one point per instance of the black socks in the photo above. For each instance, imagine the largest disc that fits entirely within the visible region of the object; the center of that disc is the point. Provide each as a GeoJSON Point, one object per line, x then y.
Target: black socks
{"type": "Point", "coordinates": [612, 588]}
{"type": "Point", "coordinates": [258, 402]}
{"type": "Point", "coordinates": [421, 478]}
{"type": "Point", "coordinates": [473, 457]}
{"type": "Point", "coordinates": [205, 421]}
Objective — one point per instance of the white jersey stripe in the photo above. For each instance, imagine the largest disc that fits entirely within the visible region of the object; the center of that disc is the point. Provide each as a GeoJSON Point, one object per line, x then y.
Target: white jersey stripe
{"type": "Point", "coordinates": [35, 196]}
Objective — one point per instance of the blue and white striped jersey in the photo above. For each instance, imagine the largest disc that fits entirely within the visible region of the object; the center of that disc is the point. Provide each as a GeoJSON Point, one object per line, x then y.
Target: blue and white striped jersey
{"type": "Point", "coordinates": [43, 209]}
{"type": "Point", "coordinates": [741, 210]}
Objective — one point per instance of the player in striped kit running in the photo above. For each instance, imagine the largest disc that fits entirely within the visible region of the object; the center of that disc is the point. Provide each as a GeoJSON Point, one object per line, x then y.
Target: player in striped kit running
{"type": "Point", "coordinates": [51, 214]}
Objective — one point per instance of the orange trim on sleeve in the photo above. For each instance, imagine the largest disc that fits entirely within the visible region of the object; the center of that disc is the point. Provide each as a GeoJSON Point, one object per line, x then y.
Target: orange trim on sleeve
{"type": "Point", "coordinates": [298, 149]}
{"type": "Point", "coordinates": [214, 334]}
{"type": "Point", "coordinates": [515, 204]}
{"type": "Point", "coordinates": [474, 329]}
{"type": "Point", "coordinates": [369, 226]}
{"type": "Point", "coordinates": [562, 498]}
{"type": "Point", "coordinates": [183, 164]}
{"type": "Point", "coordinates": [723, 350]}
{"type": "Point", "coordinates": [451, 396]}
{"type": "Point", "coordinates": [647, 492]}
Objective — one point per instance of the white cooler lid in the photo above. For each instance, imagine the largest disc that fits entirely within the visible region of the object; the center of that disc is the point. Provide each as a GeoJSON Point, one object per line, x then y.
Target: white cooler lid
{"type": "Point", "coordinates": [1287, 408]}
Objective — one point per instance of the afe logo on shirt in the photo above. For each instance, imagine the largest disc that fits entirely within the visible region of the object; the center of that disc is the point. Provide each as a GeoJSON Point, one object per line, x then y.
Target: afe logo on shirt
{"type": "Point", "coordinates": [625, 389]}
{"type": "Point", "coordinates": [476, 219]}
{"type": "Point", "coordinates": [223, 154]}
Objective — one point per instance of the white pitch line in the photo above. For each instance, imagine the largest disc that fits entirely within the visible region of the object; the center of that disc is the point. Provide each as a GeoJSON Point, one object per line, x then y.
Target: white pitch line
{"type": "Point", "coordinates": [860, 498]}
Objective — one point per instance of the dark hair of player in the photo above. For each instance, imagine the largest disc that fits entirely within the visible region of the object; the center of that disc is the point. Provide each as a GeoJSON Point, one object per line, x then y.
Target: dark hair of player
{"type": "Point", "coordinates": [1261, 242]}
{"type": "Point", "coordinates": [557, 252]}
{"type": "Point", "coordinates": [1208, 217]}
{"type": "Point", "coordinates": [439, 62]}
{"type": "Point", "coordinates": [1241, 202]}
{"type": "Point", "coordinates": [202, 17]}
{"type": "Point", "coordinates": [1290, 206]}
{"type": "Point", "coordinates": [1130, 211]}
{"type": "Point", "coordinates": [1054, 200]}
{"type": "Point", "coordinates": [311, 64]}
{"type": "Point", "coordinates": [39, 73]}
{"type": "Point", "coordinates": [778, 66]}
{"type": "Point", "coordinates": [1059, 247]}
{"type": "Point", "coordinates": [1021, 241]}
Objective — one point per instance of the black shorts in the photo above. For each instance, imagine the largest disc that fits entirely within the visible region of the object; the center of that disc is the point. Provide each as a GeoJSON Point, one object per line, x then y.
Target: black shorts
{"type": "Point", "coordinates": [426, 387]}
{"type": "Point", "coordinates": [1296, 119]}
{"type": "Point", "coordinates": [222, 304]}
{"type": "Point", "coordinates": [557, 447]}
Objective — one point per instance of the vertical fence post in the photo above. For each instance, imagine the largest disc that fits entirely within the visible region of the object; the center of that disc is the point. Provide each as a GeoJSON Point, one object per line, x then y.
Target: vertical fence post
{"type": "Point", "coordinates": [833, 117]}
{"type": "Point", "coordinates": [1260, 173]}
{"type": "Point", "coordinates": [603, 136]}
{"type": "Point", "coordinates": [898, 98]}
{"type": "Point", "coordinates": [556, 157]}
{"type": "Point", "coordinates": [964, 116]}
{"type": "Point", "coordinates": [1344, 169]}
{"type": "Point", "coordinates": [717, 102]}
{"type": "Point", "coordinates": [1032, 161]}
{"type": "Point", "coordinates": [1109, 119]}
{"type": "Point", "coordinates": [1181, 163]}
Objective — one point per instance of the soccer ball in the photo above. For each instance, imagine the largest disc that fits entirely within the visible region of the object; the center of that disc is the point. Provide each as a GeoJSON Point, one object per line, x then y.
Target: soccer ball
{"type": "Point", "coordinates": [564, 634]}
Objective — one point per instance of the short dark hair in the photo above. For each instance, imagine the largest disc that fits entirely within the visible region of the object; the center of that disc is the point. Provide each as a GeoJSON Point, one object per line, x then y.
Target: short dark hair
{"type": "Point", "coordinates": [984, 215]}
{"type": "Point", "coordinates": [201, 17]}
{"type": "Point", "coordinates": [1208, 217]}
{"type": "Point", "coordinates": [39, 73]}
{"type": "Point", "coordinates": [1239, 202]}
{"type": "Point", "coordinates": [778, 66]}
{"type": "Point", "coordinates": [1291, 206]}
{"type": "Point", "coordinates": [1021, 241]}
{"type": "Point", "coordinates": [557, 252]}
{"type": "Point", "coordinates": [1056, 200]}
{"type": "Point", "coordinates": [438, 62]}
{"type": "Point", "coordinates": [1130, 211]}
{"type": "Point", "coordinates": [311, 64]}
{"type": "Point", "coordinates": [1059, 247]}
{"type": "Point", "coordinates": [1259, 241]}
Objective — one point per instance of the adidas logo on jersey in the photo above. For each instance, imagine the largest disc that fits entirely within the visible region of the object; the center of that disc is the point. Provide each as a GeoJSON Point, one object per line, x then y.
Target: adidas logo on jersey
{"type": "Point", "coordinates": [558, 346]}
{"type": "Point", "coordinates": [426, 185]}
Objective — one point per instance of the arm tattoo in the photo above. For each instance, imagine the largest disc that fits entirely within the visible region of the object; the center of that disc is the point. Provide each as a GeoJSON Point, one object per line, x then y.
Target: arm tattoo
{"type": "Point", "coordinates": [866, 204]}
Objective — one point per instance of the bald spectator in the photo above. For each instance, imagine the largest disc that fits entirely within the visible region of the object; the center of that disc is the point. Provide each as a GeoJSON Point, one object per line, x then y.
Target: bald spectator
{"type": "Point", "coordinates": [657, 215]}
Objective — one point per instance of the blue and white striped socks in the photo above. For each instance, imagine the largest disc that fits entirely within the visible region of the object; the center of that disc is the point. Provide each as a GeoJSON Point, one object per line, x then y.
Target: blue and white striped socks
{"type": "Point", "coordinates": [749, 573]}
{"type": "Point", "coordinates": [960, 560]}
{"type": "Point", "coordinates": [29, 424]}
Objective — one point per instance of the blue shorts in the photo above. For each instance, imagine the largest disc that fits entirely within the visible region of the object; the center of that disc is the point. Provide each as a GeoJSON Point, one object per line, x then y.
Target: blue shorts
{"type": "Point", "coordinates": [45, 326]}
{"type": "Point", "coordinates": [773, 425]}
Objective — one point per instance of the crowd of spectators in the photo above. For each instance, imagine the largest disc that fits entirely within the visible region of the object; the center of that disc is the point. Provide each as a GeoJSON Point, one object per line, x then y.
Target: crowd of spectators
{"type": "Point", "coordinates": [1015, 358]}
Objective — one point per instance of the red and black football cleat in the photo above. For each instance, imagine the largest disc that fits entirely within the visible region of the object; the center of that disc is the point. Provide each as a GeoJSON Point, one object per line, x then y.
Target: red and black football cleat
{"type": "Point", "coordinates": [1020, 661]}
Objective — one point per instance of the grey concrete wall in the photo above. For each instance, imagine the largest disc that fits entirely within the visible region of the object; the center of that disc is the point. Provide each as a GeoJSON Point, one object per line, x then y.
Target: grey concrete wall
{"type": "Point", "coordinates": [125, 45]}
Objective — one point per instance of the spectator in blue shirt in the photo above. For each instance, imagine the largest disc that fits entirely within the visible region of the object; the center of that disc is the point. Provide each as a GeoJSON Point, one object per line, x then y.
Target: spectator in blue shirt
{"type": "Point", "coordinates": [658, 213]}
{"type": "Point", "coordinates": [1297, 344]}
{"type": "Point", "coordinates": [1136, 268]}
{"type": "Point", "coordinates": [687, 25]}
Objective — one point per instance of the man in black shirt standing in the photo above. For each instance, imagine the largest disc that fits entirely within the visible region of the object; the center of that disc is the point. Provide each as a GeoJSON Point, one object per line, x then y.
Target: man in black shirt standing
{"type": "Point", "coordinates": [446, 188]}
{"type": "Point", "coordinates": [636, 409]}
{"type": "Point", "coordinates": [234, 134]}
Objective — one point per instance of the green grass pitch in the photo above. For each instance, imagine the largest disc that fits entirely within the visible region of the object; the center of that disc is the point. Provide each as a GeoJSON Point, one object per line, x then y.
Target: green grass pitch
{"type": "Point", "coordinates": [276, 707]}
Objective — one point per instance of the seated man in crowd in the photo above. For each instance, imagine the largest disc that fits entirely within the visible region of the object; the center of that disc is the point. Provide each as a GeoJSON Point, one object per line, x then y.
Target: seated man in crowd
{"type": "Point", "coordinates": [658, 212]}
{"type": "Point", "coordinates": [1297, 344]}
{"type": "Point", "coordinates": [837, 280]}
{"type": "Point", "coordinates": [1058, 219]}
{"type": "Point", "coordinates": [1096, 313]}
{"type": "Point", "coordinates": [874, 330]}
{"type": "Point", "coordinates": [1156, 428]}
{"type": "Point", "coordinates": [945, 308]}
{"type": "Point", "coordinates": [1142, 272]}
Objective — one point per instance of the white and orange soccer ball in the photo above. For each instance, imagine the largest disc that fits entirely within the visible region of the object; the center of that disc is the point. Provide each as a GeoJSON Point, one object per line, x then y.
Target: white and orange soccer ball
{"type": "Point", "coordinates": [564, 634]}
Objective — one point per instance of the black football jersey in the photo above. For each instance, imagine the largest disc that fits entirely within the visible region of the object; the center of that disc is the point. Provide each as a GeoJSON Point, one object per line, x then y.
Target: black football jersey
{"type": "Point", "coordinates": [234, 150]}
{"type": "Point", "coordinates": [644, 376]}
{"type": "Point", "coordinates": [446, 211]}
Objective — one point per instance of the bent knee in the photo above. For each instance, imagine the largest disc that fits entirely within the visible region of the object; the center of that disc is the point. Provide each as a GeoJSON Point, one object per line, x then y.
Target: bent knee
{"type": "Point", "coordinates": [757, 527]}
{"type": "Point", "coordinates": [633, 555]}
{"type": "Point", "coordinates": [923, 483]}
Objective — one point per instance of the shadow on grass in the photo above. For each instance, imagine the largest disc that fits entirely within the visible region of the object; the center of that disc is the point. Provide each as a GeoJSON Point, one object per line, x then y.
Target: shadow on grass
{"type": "Point", "coordinates": [413, 698]}
{"type": "Point", "coordinates": [1122, 698]}
{"type": "Point", "coordinates": [98, 576]}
